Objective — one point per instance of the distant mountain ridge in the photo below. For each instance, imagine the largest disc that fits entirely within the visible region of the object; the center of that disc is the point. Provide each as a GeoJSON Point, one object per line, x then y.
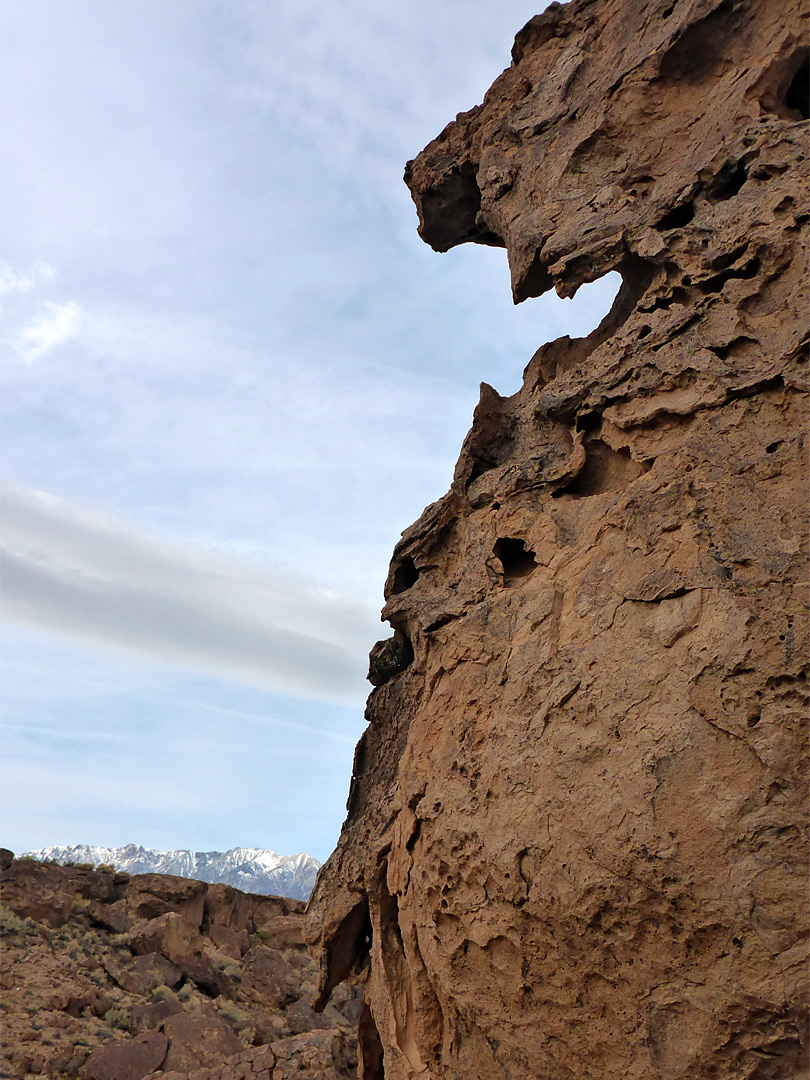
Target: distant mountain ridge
{"type": "Point", "coordinates": [254, 870]}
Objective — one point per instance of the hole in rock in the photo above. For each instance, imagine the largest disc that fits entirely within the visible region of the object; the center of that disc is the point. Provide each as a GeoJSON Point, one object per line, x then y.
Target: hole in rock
{"type": "Point", "coordinates": [389, 657]}
{"type": "Point", "coordinates": [797, 97]}
{"type": "Point", "coordinates": [695, 53]}
{"type": "Point", "coordinates": [728, 181]}
{"type": "Point", "coordinates": [729, 257]}
{"type": "Point", "coordinates": [349, 950]}
{"type": "Point", "coordinates": [771, 448]}
{"type": "Point", "coordinates": [406, 575]}
{"type": "Point", "coordinates": [588, 421]}
{"type": "Point", "coordinates": [677, 217]}
{"type": "Point", "coordinates": [605, 469]}
{"type": "Point", "coordinates": [517, 560]}
{"type": "Point", "coordinates": [715, 284]}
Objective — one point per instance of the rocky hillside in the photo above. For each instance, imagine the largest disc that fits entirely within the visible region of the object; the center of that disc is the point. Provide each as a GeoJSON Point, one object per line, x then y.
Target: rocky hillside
{"type": "Point", "coordinates": [254, 870]}
{"type": "Point", "coordinates": [107, 976]}
{"type": "Point", "coordinates": [576, 839]}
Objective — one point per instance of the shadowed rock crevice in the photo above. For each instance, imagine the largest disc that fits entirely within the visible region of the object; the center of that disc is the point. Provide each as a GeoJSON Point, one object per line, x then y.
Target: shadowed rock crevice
{"type": "Point", "coordinates": [604, 470]}
{"type": "Point", "coordinates": [797, 97]}
{"type": "Point", "coordinates": [349, 952]}
{"type": "Point", "coordinates": [371, 1049]}
{"type": "Point", "coordinates": [388, 658]}
{"type": "Point", "coordinates": [516, 558]}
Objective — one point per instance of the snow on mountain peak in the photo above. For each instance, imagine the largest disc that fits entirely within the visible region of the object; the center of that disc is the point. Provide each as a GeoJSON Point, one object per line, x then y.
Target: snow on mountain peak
{"type": "Point", "coordinates": [256, 870]}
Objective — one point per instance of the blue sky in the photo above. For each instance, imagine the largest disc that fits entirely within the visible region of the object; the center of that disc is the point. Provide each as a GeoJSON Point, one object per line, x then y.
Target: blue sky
{"type": "Point", "coordinates": [232, 375]}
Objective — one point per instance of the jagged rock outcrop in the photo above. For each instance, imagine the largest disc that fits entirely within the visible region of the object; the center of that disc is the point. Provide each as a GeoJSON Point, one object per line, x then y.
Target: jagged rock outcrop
{"type": "Point", "coordinates": [576, 832]}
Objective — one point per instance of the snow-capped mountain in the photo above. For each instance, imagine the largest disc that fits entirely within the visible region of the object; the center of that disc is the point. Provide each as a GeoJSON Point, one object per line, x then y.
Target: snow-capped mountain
{"type": "Point", "coordinates": [252, 870]}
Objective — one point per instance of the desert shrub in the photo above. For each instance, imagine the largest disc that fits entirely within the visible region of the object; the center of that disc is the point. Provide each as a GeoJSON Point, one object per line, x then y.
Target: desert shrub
{"type": "Point", "coordinates": [163, 993]}
{"type": "Point", "coordinates": [10, 921]}
{"type": "Point", "coordinates": [230, 969]}
{"type": "Point", "coordinates": [235, 1016]}
{"type": "Point", "coordinates": [119, 1018]}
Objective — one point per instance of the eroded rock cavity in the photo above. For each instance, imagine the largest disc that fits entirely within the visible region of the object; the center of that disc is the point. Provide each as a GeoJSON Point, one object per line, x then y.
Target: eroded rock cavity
{"type": "Point", "coordinates": [575, 834]}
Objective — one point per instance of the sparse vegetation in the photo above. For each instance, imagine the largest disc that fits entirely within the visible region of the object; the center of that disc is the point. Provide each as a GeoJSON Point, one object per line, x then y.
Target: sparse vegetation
{"type": "Point", "coordinates": [10, 921]}
{"type": "Point", "coordinates": [119, 1018]}
{"type": "Point", "coordinates": [60, 1002]}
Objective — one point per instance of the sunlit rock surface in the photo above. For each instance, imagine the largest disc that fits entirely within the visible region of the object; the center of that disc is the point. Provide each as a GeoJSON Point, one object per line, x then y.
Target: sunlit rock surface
{"type": "Point", "coordinates": [575, 843]}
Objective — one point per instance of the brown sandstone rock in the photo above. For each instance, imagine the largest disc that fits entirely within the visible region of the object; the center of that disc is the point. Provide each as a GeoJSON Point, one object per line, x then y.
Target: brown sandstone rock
{"type": "Point", "coordinates": [115, 916]}
{"type": "Point", "coordinates": [233, 943]}
{"type": "Point", "coordinates": [576, 832]}
{"type": "Point", "coordinates": [268, 978]}
{"type": "Point", "coordinates": [47, 892]}
{"type": "Point", "coordinates": [226, 906]}
{"type": "Point", "coordinates": [198, 1042]}
{"type": "Point", "coordinates": [325, 1055]}
{"type": "Point", "coordinates": [69, 990]}
{"type": "Point", "coordinates": [131, 1060]}
{"type": "Point", "coordinates": [150, 895]}
{"type": "Point", "coordinates": [37, 891]}
{"type": "Point", "coordinates": [181, 943]}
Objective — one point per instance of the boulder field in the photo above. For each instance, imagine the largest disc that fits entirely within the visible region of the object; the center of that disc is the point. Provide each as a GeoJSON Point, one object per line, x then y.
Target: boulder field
{"type": "Point", "coordinates": [107, 976]}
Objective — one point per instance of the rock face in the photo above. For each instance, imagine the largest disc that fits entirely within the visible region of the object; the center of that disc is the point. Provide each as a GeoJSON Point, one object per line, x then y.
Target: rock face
{"type": "Point", "coordinates": [576, 832]}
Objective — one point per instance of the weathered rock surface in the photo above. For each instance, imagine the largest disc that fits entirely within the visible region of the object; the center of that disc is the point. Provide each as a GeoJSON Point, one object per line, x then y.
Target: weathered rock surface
{"type": "Point", "coordinates": [576, 833]}
{"type": "Point", "coordinates": [109, 977]}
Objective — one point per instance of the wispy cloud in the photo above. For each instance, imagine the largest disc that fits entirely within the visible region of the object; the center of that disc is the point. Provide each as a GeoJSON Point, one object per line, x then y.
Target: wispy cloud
{"type": "Point", "coordinates": [79, 574]}
{"type": "Point", "coordinates": [20, 282]}
{"type": "Point", "coordinates": [54, 325]}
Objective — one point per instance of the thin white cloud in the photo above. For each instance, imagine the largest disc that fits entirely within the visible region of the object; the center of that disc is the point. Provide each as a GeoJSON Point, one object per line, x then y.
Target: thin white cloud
{"type": "Point", "coordinates": [55, 324]}
{"type": "Point", "coordinates": [19, 282]}
{"type": "Point", "coordinates": [76, 573]}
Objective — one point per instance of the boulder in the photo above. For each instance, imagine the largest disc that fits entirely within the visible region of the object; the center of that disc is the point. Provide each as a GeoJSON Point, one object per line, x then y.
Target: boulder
{"type": "Point", "coordinates": [129, 1060]}
{"type": "Point", "coordinates": [228, 907]}
{"type": "Point", "coordinates": [114, 916]}
{"type": "Point", "coordinates": [146, 1017]}
{"type": "Point", "coordinates": [150, 895]}
{"type": "Point", "coordinates": [268, 978]}
{"type": "Point", "coordinates": [233, 943]}
{"type": "Point", "coordinates": [198, 1042]}
{"type": "Point", "coordinates": [35, 890]}
{"type": "Point", "coordinates": [319, 1055]}
{"type": "Point", "coordinates": [181, 943]}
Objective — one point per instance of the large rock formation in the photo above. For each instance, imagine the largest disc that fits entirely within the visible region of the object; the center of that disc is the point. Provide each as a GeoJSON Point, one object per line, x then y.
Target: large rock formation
{"type": "Point", "coordinates": [575, 834]}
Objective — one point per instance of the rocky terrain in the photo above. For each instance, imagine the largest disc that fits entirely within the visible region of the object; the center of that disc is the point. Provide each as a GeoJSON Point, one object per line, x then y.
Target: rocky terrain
{"type": "Point", "coordinates": [254, 870]}
{"type": "Point", "coordinates": [576, 843]}
{"type": "Point", "coordinates": [107, 976]}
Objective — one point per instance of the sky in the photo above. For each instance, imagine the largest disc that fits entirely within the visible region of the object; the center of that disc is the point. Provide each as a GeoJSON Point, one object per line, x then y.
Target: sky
{"type": "Point", "coordinates": [232, 375]}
